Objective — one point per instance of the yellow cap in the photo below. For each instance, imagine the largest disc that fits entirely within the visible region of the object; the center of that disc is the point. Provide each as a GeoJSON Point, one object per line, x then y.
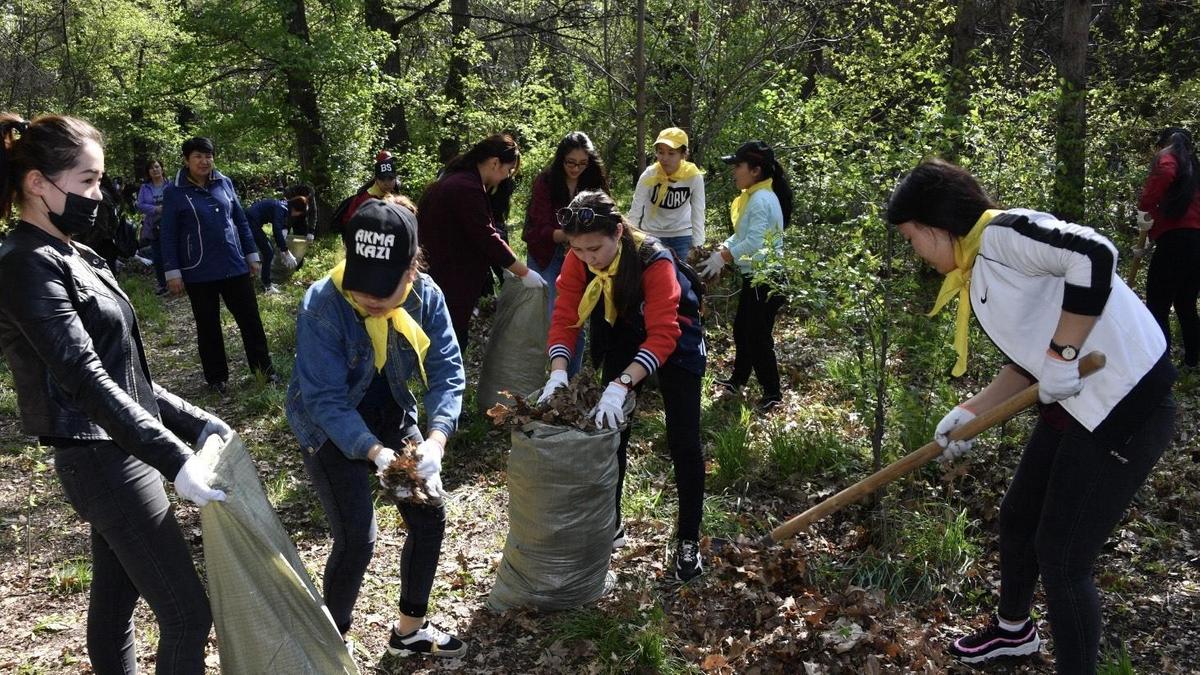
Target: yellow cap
{"type": "Point", "coordinates": [673, 137]}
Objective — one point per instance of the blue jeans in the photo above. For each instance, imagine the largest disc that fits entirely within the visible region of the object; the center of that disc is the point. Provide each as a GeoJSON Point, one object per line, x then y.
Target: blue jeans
{"type": "Point", "coordinates": [680, 245]}
{"type": "Point", "coordinates": [550, 273]}
{"type": "Point", "coordinates": [138, 550]}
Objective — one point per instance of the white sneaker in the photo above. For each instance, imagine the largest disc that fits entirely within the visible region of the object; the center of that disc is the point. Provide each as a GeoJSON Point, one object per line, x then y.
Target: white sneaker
{"type": "Point", "coordinates": [271, 290]}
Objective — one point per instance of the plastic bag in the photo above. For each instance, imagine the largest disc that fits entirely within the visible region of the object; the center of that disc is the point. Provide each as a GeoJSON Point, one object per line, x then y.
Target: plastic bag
{"type": "Point", "coordinates": [515, 356]}
{"type": "Point", "coordinates": [269, 616]}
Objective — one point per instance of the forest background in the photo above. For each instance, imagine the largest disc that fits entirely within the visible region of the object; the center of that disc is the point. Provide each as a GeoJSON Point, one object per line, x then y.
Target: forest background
{"type": "Point", "coordinates": [1053, 104]}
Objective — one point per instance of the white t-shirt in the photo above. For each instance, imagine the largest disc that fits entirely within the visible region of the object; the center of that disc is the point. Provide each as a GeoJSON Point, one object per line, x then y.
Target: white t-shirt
{"type": "Point", "coordinates": [681, 213]}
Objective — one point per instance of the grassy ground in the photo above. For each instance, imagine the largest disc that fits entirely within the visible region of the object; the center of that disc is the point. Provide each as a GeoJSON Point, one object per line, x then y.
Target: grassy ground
{"type": "Point", "coordinates": [876, 588]}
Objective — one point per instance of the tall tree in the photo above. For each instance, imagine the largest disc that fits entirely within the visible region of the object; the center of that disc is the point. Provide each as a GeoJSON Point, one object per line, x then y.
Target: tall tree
{"type": "Point", "coordinates": [305, 116]}
{"type": "Point", "coordinates": [1070, 137]}
{"type": "Point", "coordinates": [958, 80]}
{"type": "Point", "coordinates": [455, 89]}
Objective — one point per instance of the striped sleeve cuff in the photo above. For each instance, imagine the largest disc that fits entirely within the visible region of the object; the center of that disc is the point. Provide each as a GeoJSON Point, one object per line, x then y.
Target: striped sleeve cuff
{"type": "Point", "coordinates": [559, 350]}
{"type": "Point", "coordinates": [646, 359]}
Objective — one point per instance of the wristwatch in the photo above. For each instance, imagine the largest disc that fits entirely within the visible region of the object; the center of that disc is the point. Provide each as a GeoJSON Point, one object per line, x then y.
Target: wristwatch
{"type": "Point", "coordinates": [626, 379]}
{"type": "Point", "coordinates": [1067, 352]}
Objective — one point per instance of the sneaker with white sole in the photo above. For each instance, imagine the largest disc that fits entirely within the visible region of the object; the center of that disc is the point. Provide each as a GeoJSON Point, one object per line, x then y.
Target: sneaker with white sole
{"type": "Point", "coordinates": [428, 639]}
{"type": "Point", "coordinates": [688, 565]}
{"type": "Point", "coordinates": [619, 537]}
{"type": "Point", "coordinates": [994, 642]}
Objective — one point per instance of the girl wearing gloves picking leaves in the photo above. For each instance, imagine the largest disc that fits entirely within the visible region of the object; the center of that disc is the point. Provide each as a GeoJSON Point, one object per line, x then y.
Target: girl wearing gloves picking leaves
{"type": "Point", "coordinates": [362, 333]}
{"type": "Point", "coordinates": [759, 215]}
{"type": "Point", "coordinates": [668, 201]}
{"type": "Point", "coordinates": [71, 339]}
{"type": "Point", "coordinates": [645, 318]}
{"type": "Point", "coordinates": [1045, 292]}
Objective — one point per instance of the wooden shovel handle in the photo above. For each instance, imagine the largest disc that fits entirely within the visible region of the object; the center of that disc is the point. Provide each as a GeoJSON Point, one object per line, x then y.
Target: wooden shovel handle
{"type": "Point", "coordinates": [1006, 410]}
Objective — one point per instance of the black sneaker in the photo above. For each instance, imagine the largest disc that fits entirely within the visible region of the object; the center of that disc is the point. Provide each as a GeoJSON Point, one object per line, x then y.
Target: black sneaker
{"type": "Point", "coordinates": [993, 642]}
{"type": "Point", "coordinates": [619, 537]}
{"type": "Point", "coordinates": [727, 385]}
{"type": "Point", "coordinates": [428, 639]}
{"type": "Point", "coordinates": [218, 387]}
{"type": "Point", "coordinates": [688, 565]}
{"type": "Point", "coordinates": [767, 404]}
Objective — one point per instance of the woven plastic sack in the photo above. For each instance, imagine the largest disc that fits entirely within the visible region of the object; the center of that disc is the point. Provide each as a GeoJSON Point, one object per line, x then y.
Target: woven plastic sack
{"type": "Point", "coordinates": [515, 356]}
{"type": "Point", "coordinates": [269, 616]}
{"type": "Point", "coordinates": [562, 486]}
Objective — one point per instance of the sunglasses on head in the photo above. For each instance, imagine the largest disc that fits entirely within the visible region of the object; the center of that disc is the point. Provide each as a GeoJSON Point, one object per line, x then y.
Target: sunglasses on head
{"type": "Point", "coordinates": [584, 216]}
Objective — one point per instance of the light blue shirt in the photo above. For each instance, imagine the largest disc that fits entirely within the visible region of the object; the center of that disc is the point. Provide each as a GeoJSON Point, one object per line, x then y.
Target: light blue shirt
{"type": "Point", "coordinates": [747, 244]}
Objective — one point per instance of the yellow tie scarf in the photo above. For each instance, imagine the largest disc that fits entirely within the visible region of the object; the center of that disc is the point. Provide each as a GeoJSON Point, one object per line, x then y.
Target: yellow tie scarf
{"type": "Point", "coordinates": [602, 285]}
{"type": "Point", "coordinates": [663, 180]}
{"type": "Point", "coordinates": [958, 282]}
{"type": "Point", "coordinates": [377, 326]}
{"type": "Point", "coordinates": [739, 203]}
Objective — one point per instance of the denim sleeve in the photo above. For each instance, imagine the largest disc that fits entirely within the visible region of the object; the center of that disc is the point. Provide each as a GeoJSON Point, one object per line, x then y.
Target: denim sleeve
{"type": "Point", "coordinates": [321, 372]}
{"type": "Point", "coordinates": [443, 362]}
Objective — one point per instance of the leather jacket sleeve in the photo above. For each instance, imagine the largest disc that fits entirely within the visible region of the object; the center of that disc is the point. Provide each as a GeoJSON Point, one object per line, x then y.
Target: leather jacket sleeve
{"type": "Point", "coordinates": [49, 321]}
{"type": "Point", "coordinates": [181, 418]}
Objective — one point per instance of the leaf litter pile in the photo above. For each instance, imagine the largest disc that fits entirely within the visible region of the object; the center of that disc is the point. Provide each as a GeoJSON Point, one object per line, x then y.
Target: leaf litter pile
{"type": "Point", "coordinates": [571, 405]}
{"type": "Point", "coordinates": [400, 480]}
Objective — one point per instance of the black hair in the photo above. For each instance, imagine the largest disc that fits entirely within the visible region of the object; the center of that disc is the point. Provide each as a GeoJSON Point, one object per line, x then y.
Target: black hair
{"type": "Point", "coordinates": [198, 144]}
{"type": "Point", "coordinates": [500, 201]}
{"type": "Point", "coordinates": [1179, 195]}
{"type": "Point", "coordinates": [501, 146]}
{"type": "Point", "coordinates": [50, 144]}
{"type": "Point", "coordinates": [941, 195]}
{"type": "Point", "coordinates": [594, 177]}
{"type": "Point", "coordinates": [628, 281]}
{"type": "Point", "coordinates": [779, 184]}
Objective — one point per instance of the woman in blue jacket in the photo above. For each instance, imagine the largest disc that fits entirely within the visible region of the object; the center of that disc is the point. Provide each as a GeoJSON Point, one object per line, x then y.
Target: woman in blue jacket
{"type": "Point", "coordinates": [282, 215]}
{"type": "Point", "coordinates": [208, 251]}
{"type": "Point", "coordinates": [759, 215]}
{"type": "Point", "coordinates": [362, 333]}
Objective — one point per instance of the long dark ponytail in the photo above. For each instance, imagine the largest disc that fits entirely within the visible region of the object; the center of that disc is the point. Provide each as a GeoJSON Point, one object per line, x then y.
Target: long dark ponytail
{"type": "Point", "coordinates": [771, 168]}
{"type": "Point", "coordinates": [501, 146]}
{"type": "Point", "coordinates": [1178, 197]}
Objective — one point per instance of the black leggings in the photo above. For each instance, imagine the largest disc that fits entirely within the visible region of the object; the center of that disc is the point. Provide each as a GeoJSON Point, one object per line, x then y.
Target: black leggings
{"type": "Point", "coordinates": [681, 402]}
{"type": "Point", "coordinates": [754, 339]}
{"type": "Point", "coordinates": [138, 550]}
{"type": "Point", "coordinates": [1069, 492]}
{"type": "Point", "coordinates": [344, 487]}
{"type": "Point", "coordinates": [1174, 279]}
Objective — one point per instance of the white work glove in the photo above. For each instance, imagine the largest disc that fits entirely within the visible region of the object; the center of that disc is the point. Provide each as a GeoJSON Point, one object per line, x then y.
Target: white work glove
{"type": "Point", "coordinates": [193, 482]}
{"type": "Point", "coordinates": [1059, 379]}
{"type": "Point", "coordinates": [609, 411]}
{"type": "Point", "coordinates": [214, 427]}
{"type": "Point", "coordinates": [383, 459]}
{"type": "Point", "coordinates": [713, 266]}
{"type": "Point", "coordinates": [289, 260]}
{"type": "Point", "coordinates": [433, 487]}
{"type": "Point", "coordinates": [533, 280]}
{"type": "Point", "coordinates": [558, 378]}
{"type": "Point", "coordinates": [1144, 221]}
{"type": "Point", "coordinates": [310, 238]}
{"type": "Point", "coordinates": [958, 416]}
{"type": "Point", "coordinates": [429, 458]}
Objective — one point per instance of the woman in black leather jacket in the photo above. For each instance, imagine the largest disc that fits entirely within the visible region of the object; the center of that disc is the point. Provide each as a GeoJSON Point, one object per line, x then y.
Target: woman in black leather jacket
{"type": "Point", "coordinates": [71, 340]}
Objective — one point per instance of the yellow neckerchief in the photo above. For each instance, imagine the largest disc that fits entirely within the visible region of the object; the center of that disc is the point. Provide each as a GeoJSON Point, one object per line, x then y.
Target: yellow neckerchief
{"type": "Point", "coordinates": [739, 202]}
{"type": "Point", "coordinates": [661, 178]}
{"type": "Point", "coordinates": [377, 326]}
{"type": "Point", "coordinates": [958, 282]}
{"type": "Point", "coordinates": [602, 285]}
{"type": "Point", "coordinates": [375, 192]}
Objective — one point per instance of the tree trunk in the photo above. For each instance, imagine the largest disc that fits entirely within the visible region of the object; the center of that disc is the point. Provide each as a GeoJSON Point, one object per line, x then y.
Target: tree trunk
{"type": "Point", "coordinates": [1070, 139]}
{"type": "Point", "coordinates": [639, 65]}
{"type": "Point", "coordinates": [958, 84]}
{"type": "Point", "coordinates": [395, 121]}
{"type": "Point", "coordinates": [460, 23]}
{"type": "Point", "coordinates": [305, 114]}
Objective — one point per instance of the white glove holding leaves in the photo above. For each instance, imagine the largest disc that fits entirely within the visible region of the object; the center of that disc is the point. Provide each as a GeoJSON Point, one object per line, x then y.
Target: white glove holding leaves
{"type": "Point", "coordinates": [713, 266]}
{"type": "Point", "coordinates": [558, 378]}
{"type": "Point", "coordinates": [533, 280]}
{"type": "Point", "coordinates": [957, 416]}
{"type": "Point", "coordinates": [194, 480]}
{"type": "Point", "coordinates": [429, 462]}
{"type": "Point", "coordinates": [1144, 221]}
{"type": "Point", "coordinates": [609, 411]}
{"type": "Point", "coordinates": [384, 458]}
{"type": "Point", "coordinates": [1059, 379]}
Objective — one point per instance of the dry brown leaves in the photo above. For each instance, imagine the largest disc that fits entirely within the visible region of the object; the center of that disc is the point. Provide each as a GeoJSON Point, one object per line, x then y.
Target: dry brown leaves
{"type": "Point", "coordinates": [571, 406]}
{"type": "Point", "coordinates": [400, 481]}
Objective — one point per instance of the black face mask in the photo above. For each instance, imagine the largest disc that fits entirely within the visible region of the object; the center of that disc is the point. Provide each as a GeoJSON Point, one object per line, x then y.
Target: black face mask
{"type": "Point", "coordinates": [78, 216]}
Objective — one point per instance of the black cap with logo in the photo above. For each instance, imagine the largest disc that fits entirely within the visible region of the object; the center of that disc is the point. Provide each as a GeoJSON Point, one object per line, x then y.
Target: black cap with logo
{"type": "Point", "coordinates": [381, 242]}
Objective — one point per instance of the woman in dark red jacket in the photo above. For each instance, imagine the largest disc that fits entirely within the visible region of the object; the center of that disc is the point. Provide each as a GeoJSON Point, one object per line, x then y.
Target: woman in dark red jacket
{"type": "Point", "coordinates": [1172, 198]}
{"type": "Point", "coordinates": [458, 232]}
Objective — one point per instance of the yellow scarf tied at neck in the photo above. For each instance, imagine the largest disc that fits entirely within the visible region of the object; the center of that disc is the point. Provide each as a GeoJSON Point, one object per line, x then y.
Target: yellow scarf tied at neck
{"type": "Point", "coordinates": [958, 282]}
{"type": "Point", "coordinates": [377, 326]}
{"type": "Point", "coordinates": [739, 203]}
{"type": "Point", "coordinates": [663, 180]}
{"type": "Point", "coordinates": [602, 285]}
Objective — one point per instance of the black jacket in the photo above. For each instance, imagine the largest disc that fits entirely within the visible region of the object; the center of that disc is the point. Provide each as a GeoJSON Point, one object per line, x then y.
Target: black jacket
{"type": "Point", "coordinates": [71, 340]}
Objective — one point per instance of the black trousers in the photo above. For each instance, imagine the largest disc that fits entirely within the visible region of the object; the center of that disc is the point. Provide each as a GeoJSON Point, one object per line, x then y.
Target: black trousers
{"type": "Point", "coordinates": [266, 253]}
{"type": "Point", "coordinates": [1069, 492]}
{"type": "Point", "coordinates": [345, 489]}
{"type": "Point", "coordinates": [681, 402]}
{"type": "Point", "coordinates": [754, 339]}
{"type": "Point", "coordinates": [238, 294]}
{"type": "Point", "coordinates": [1174, 279]}
{"type": "Point", "coordinates": [138, 551]}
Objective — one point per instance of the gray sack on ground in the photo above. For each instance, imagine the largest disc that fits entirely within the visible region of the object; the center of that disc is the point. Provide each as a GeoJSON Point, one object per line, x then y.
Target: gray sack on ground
{"type": "Point", "coordinates": [515, 356]}
{"type": "Point", "coordinates": [269, 616]}
{"type": "Point", "coordinates": [562, 486]}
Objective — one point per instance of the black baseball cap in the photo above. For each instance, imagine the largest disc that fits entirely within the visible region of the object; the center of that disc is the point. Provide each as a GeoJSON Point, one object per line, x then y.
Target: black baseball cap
{"type": "Point", "coordinates": [755, 152]}
{"type": "Point", "coordinates": [381, 242]}
{"type": "Point", "coordinates": [385, 165]}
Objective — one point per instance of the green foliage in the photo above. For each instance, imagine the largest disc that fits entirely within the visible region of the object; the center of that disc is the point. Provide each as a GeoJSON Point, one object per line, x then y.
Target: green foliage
{"type": "Point", "coordinates": [72, 576]}
{"type": "Point", "coordinates": [630, 640]}
{"type": "Point", "coordinates": [1116, 662]}
{"type": "Point", "coordinates": [730, 447]}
